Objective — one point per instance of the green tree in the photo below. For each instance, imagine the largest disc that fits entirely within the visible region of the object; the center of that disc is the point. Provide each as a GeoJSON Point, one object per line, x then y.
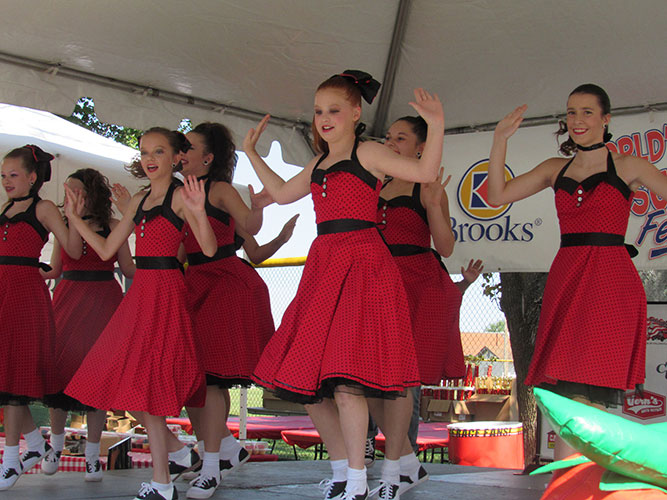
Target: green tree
{"type": "Point", "coordinates": [496, 327]}
{"type": "Point", "coordinates": [84, 116]}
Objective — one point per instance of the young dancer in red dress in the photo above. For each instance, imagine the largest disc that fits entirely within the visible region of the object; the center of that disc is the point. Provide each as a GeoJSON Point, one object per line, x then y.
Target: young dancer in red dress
{"type": "Point", "coordinates": [83, 303]}
{"type": "Point", "coordinates": [145, 360]}
{"type": "Point", "coordinates": [228, 301]}
{"type": "Point", "coordinates": [409, 214]}
{"type": "Point", "coordinates": [594, 307]}
{"type": "Point", "coordinates": [27, 371]}
{"type": "Point", "coordinates": [347, 333]}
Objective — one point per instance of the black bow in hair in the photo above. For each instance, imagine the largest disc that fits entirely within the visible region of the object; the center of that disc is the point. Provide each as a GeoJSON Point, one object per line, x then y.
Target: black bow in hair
{"type": "Point", "coordinates": [41, 156]}
{"type": "Point", "coordinates": [368, 86]}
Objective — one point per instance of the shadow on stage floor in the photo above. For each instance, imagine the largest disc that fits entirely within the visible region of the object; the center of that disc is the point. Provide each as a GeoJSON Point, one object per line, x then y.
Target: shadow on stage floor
{"type": "Point", "coordinates": [286, 481]}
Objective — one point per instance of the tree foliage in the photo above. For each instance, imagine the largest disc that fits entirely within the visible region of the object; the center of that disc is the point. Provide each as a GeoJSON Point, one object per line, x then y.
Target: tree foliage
{"type": "Point", "coordinates": [84, 116]}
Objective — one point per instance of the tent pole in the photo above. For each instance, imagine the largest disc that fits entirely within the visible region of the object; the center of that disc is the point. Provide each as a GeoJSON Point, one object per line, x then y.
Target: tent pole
{"type": "Point", "coordinates": [391, 67]}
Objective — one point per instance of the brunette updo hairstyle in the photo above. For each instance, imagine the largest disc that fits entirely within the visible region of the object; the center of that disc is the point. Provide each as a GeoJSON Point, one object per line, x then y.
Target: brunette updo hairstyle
{"type": "Point", "coordinates": [98, 194]}
{"type": "Point", "coordinates": [568, 148]}
{"type": "Point", "coordinates": [418, 126]}
{"type": "Point", "coordinates": [177, 141]}
{"type": "Point", "coordinates": [34, 159]}
{"type": "Point", "coordinates": [353, 95]}
{"type": "Point", "coordinates": [218, 141]}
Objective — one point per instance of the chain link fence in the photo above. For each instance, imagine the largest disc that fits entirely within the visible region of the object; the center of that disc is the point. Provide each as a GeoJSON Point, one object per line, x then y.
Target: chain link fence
{"type": "Point", "coordinates": [484, 333]}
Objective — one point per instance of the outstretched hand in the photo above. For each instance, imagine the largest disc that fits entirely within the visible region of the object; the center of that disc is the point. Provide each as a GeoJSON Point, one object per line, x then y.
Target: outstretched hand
{"type": "Point", "coordinates": [288, 229]}
{"type": "Point", "coordinates": [508, 125]}
{"type": "Point", "coordinates": [120, 197]}
{"type": "Point", "coordinates": [472, 272]}
{"type": "Point", "coordinates": [253, 135]}
{"type": "Point", "coordinates": [194, 194]}
{"type": "Point", "coordinates": [259, 200]}
{"type": "Point", "coordinates": [429, 107]}
{"type": "Point", "coordinates": [434, 192]}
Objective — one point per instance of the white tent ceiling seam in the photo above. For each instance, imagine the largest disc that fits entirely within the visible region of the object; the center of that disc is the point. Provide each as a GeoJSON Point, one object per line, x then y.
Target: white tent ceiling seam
{"type": "Point", "coordinates": [55, 70]}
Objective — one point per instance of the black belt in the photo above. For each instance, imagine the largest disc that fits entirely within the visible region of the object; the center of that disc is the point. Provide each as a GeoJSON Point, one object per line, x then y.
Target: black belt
{"type": "Point", "coordinates": [86, 275]}
{"type": "Point", "coordinates": [404, 250]}
{"type": "Point", "coordinates": [13, 260]}
{"type": "Point", "coordinates": [343, 226]}
{"type": "Point", "coordinates": [596, 240]}
{"type": "Point", "coordinates": [144, 262]}
{"type": "Point", "coordinates": [197, 258]}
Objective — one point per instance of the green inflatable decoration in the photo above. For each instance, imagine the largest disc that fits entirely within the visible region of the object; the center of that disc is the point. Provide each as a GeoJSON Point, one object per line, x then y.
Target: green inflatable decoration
{"type": "Point", "coordinates": [635, 454]}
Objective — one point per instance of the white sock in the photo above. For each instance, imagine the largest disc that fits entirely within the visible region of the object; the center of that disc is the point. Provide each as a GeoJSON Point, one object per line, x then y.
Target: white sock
{"type": "Point", "coordinates": [339, 468]}
{"type": "Point", "coordinates": [57, 441]}
{"type": "Point", "coordinates": [166, 490]}
{"type": "Point", "coordinates": [201, 449]}
{"type": "Point", "coordinates": [35, 440]}
{"type": "Point", "coordinates": [180, 455]}
{"type": "Point", "coordinates": [229, 448]}
{"type": "Point", "coordinates": [409, 463]}
{"type": "Point", "coordinates": [390, 471]}
{"type": "Point", "coordinates": [211, 465]}
{"type": "Point", "coordinates": [356, 481]}
{"type": "Point", "coordinates": [92, 451]}
{"type": "Point", "coordinates": [10, 459]}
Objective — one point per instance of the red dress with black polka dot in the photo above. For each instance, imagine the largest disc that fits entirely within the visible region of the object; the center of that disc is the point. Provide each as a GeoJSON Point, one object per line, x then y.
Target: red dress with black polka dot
{"type": "Point", "coordinates": [349, 322]}
{"type": "Point", "coordinates": [592, 327]}
{"type": "Point", "coordinates": [435, 301]}
{"type": "Point", "coordinates": [145, 359]}
{"type": "Point", "coordinates": [229, 303]}
{"type": "Point", "coordinates": [26, 315]}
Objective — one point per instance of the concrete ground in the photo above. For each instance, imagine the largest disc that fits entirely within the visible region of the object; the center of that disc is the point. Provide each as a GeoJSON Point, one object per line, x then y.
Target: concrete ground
{"type": "Point", "coordinates": [286, 481]}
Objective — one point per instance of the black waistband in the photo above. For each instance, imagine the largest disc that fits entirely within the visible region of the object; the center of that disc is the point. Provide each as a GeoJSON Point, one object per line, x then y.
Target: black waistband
{"type": "Point", "coordinates": [592, 239]}
{"type": "Point", "coordinates": [87, 275]}
{"type": "Point", "coordinates": [343, 226]}
{"type": "Point", "coordinates": [14, 260]}
{"type": "Point", "coordinates": [597, 240]}
{"type": "Point", "coordinates": [144, 262]}
{"type": "Point", "coordinates": [404, 250]}
{"type": "Point", "coordinates": [195, 259]}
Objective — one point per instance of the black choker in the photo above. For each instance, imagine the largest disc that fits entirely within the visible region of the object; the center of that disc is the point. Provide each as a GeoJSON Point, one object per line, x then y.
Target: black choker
{"type": "Point", "coordinates": [203, 177]}
{"type": "Point", "coordinates": [590, 148]}
{"type": "Point", "coordinates": [23, 198]}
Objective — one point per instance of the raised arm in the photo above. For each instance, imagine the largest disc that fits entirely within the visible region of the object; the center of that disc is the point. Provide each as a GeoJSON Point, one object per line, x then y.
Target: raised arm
{"type": "Point", "coordinates": [120, 197]}
{"type": "Point", "coordinates": [69, 237]}
{"type": "Point", "coordinates": [56, 263]}
{"type": "Point", "coordinates": [470, 274]}
{"type": "Point", "coordinates": [107, 247]}
{"type": "Point", "coordinates": [502, 191]}
{"type": "Point", "coordinates": [435, 201]}
{"type": "Point", "coordinates": [259, 253]}
{"type": "Point", "coordinates": [224, 195]}
{"type": "Point", "coordinates": [190, 199]}
{"type": "Point", "coordinates": [379, 159]}
{"type": "Point", "coordinates": [639, 172]}
{"type": "Point", "coordinates": [283, 192]}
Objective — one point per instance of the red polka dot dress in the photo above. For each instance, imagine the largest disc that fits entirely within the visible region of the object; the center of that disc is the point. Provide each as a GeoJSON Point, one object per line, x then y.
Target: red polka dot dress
{"type": "Point", "coordinates": [349, 322]}
{"type": "Point", "coordinates": [27, 329]}
{"type": "Point", "coordinates": [145, 359]}
{"type": "Point", "coordinates": [229, 303]}
{"type": "Point", "coordinates": [592, 326]}
{"type": "Point", "coordinates": [434, 299]}
{"type": "Point", "coordinates": [83, 302]}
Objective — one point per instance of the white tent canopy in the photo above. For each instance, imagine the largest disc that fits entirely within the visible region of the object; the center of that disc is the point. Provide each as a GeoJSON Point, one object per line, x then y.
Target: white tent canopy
{"type": "Point", "coordinates": [148, 63]}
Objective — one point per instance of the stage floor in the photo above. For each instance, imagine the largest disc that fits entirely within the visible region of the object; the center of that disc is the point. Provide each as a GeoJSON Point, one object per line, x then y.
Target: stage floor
{"type": "Point", "coordinates": [286, 481]}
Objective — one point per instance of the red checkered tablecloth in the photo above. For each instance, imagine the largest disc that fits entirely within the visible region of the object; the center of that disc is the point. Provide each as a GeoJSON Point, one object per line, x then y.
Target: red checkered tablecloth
{"type": "Point", "coordinates": [70, 463]}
